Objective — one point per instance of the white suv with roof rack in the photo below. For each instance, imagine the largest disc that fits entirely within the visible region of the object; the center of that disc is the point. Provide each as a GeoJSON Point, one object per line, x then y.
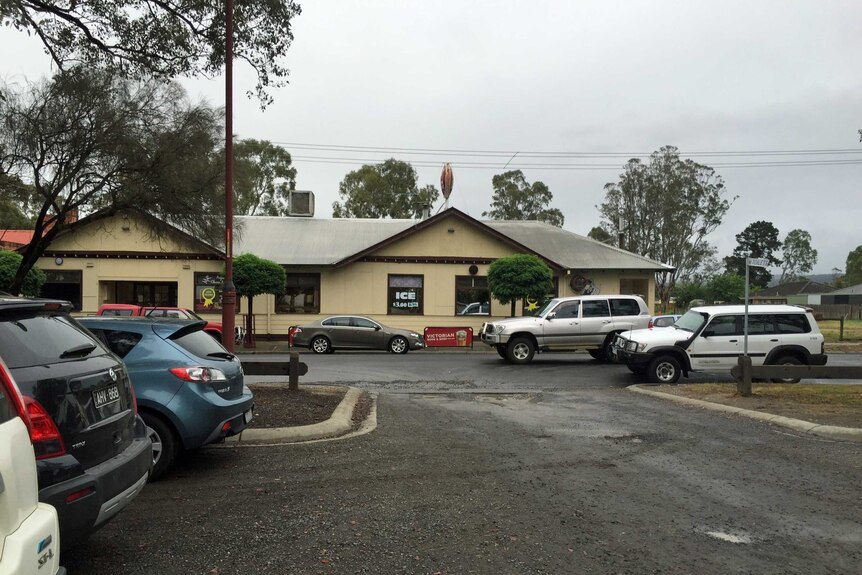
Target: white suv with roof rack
{"type": "Point", "coordinates": [711, 339]}
{"type": "Point", "coordinates": [581, 322]}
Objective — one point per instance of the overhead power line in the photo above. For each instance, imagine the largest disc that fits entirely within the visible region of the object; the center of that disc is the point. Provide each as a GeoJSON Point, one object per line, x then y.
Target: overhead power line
{"type": "Point", "coordinates": [562, 154]}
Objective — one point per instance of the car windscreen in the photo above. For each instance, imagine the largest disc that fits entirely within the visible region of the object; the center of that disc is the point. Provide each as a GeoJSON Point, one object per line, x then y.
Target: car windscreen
{"type": "Point", "coordinates": [28, 339]}
{"type": "Point", "coordinates": [690, 321]}
{"type": "Point", "coordinates": [201, 344]}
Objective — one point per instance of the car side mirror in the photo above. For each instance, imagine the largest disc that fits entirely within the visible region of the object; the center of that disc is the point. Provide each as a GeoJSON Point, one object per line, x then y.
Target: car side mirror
{"type": "Point", "coordinates": [551, 315]}
{"type": "Point", "coordinates": [377, 328]}
{"type": "Point", "coordinates": [707, 333]}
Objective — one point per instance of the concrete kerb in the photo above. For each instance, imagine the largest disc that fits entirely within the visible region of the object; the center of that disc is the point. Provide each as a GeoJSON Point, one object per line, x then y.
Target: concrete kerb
{"type": "Point", "coordinates": [829, 431]}
{"type": "Point", "coordinates": [337, 426]}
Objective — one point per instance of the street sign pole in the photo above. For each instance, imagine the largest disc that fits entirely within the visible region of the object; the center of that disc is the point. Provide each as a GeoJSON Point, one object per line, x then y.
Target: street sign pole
{"type": "Point", "coordinates": [743, 387]}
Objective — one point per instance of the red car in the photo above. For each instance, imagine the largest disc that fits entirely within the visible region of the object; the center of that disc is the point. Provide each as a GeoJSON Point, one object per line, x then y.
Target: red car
{"type": "Point", "coordinates": [213, 328]}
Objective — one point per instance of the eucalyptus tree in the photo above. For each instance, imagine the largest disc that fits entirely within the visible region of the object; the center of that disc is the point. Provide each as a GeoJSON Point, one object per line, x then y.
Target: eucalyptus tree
{"type": "Point", "coordinates": [89, 141]}
{"type": "Point", "coordinates": [159, 38]}
{"type": "Point", "coordinates": [516, 199]}
{"type": "Point", "coordinates": [664, 209]}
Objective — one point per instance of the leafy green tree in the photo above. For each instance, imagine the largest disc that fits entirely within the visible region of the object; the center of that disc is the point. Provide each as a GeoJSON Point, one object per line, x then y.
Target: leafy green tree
{"type": "Point", "coordinates": [853, 268]}
{"type": "Point", "coordinates": [263, 177]}
{"type": "Point", "coordinates": [798, 257]}
{"type": "Point", "coordinates": [14, 197]}
{"type": "Point", "coordinates": [518, 277]}
{"type": "Point", "coordinates": [726, 287]}
{"type": "Point", "coordinates": [254, 276]}
{"type": "Point", "coordinates": [516, 199]}
{"type": "Point", "coordinates": [685, 293]}
{"type": "Point", "coordinates": [599, 234]}
{"type": "Point", "coordinates": [386, 190]}
{"type": "Point", "coordinates": [665, 209]}
{"type": "Point", "coordinates": [159, 38]}
{"type": "Point", "coordinates": [33, 281]}
{"type": "Point", "coordinates": [86, 140]}
{"type": "Point", "coordinates": [758, 240]}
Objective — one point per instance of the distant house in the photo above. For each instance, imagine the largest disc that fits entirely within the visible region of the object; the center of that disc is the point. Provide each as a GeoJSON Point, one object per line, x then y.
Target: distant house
{"type": "Point", "coordinates": [848, 296]}
{"type": "Point", "coordinates": [801, 292]}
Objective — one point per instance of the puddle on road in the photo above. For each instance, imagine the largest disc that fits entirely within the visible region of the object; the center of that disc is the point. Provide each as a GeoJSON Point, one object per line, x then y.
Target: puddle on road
{"type": "Point", "coordinates": [737, 537]}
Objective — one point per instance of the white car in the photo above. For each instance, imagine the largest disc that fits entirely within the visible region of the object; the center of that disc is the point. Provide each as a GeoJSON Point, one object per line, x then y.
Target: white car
{"type": "Point", "coordinates": [29, 530]}
{"type": "Point", "coordinates": [588, 322]}
{"type": "Point", "coordinates": [712, 338]}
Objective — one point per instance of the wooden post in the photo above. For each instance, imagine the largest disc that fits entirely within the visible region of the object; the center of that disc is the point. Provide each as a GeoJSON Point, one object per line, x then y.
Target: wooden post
{"type": "Point", "coordinates": [293, 372]}
{"type": "Point", "coordinates": [841, 328]}
{"type": "Point", "coordinates": [743, 383]}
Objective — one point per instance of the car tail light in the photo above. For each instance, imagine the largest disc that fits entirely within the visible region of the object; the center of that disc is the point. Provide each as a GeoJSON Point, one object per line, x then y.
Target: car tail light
{"type": "Point", "coordinates": [199, 374]}
{"type": "Point", "coordinates": [650, 324]}
{"type": "Point", "coordinates": [72, 497]}
{"type": "Point", "coordinates": [46, 438]}
{"type": "Point", "coordinates": [134, 400]}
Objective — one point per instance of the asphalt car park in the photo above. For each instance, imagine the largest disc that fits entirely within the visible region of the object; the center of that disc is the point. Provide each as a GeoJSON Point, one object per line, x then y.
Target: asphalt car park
{"type": "Point", "coordinates": [481, 466]}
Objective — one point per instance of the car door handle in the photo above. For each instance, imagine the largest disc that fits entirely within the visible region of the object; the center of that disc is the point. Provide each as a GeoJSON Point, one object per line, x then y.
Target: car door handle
{"type": "Point", "coordinates": [773, 340]}
{"type": "Point", "coordinates": [606, 321]}
{"type": "Point", "coordinates": [732, 341]}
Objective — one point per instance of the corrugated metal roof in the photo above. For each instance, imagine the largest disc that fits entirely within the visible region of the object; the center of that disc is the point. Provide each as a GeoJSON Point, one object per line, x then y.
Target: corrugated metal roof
{"type": "Point", "coordinates": [572, 250]}
{"type": "Point", "coordinates": [852, 290]}
{"type": "Point", "coordinates": [311, 241]}
{"type": "Point", "coordinates": [323, 242]}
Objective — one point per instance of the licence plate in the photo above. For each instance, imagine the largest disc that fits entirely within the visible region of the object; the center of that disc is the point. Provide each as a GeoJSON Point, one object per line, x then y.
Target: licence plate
{"type": "Point", "coordinates": [247, 416]}
{"type": "Point", "coordinates": [106, 395]}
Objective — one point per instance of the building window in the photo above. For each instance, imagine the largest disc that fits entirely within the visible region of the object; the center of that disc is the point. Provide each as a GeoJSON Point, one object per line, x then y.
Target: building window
{"type": "Point", "coordinates": [148, 294]}
{"type": "Point", "coordinates": [406, 295]}
{"type": "Point", "coordinates": [63, 285]}
{"type": "Point", "coordinates": [302, 294]}
{"type": "Point", "coordinates": [472, 296]}
{"type": "Point", "coordinates": [532, 305]}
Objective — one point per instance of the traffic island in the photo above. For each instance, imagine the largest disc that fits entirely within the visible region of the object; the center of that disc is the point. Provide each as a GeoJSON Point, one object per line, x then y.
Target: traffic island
{"type": "Point", "coordinates": [827, 410]}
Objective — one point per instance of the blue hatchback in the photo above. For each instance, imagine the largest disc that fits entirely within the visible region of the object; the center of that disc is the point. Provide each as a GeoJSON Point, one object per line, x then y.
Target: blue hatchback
{"type": "Point", "coordinates": [190, 389]}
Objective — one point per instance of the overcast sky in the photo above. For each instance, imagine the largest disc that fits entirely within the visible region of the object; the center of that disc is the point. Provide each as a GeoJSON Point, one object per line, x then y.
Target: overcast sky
{"type": "Point", "coordinates": [601, 76]}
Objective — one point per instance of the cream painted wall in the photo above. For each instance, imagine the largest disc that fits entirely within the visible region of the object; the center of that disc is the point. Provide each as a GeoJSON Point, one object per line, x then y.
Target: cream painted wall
{"type": "Point", "coordinates": [362, 288]}
{"type": "Point", "coordinates": [109, 236]}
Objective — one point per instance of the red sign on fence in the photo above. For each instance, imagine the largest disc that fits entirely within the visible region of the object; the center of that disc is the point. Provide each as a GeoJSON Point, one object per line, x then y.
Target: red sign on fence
{"type": "Point", "coordinates": [448, 336]}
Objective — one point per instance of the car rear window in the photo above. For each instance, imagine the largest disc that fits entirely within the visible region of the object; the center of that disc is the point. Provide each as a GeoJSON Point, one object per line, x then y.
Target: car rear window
{"type": "Point", "coordinates": [120, 342]}
{"type": "Point", "coordinates": [117, 312]}
{"type": "Point", "coordinates": [625, 307]}
{"type": "Point", "coordinates": [29, 339]}
{"type": "Point", "coordinates": [199, 343]}
{"type": "Point", "coordinates": [792, 323]}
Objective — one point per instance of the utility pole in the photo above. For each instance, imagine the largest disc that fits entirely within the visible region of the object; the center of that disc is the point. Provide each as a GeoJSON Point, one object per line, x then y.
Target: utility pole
{"type": "Point", "coordinates": [228, 310]}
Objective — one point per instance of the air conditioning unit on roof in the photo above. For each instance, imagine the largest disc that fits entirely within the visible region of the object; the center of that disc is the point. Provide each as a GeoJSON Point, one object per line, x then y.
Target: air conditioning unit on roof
{"type": "Point", "coordinates": [301, 203]}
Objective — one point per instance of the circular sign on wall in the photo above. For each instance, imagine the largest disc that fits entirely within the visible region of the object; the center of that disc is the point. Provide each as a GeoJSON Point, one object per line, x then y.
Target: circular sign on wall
{"type": "Point", "coordinates": [578, 283]}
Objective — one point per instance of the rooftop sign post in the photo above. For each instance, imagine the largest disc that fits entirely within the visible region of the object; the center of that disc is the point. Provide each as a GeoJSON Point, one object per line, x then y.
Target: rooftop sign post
{"type": "Point", "coordinates": [743, 386]}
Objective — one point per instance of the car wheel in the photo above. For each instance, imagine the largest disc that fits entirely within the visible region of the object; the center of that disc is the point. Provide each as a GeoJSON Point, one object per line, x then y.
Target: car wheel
{"type": "Point", "coordinates": [501, 351]}
{"type": "Point", "coordinates": [320, 344]}
{"type": "Point", "coordinates": [664, 369]}
{"type": "Point", "coordinates": [598, 354]}
{"type": "Point", "coordinates": [520, 350]}
{"type": "Point", "coordinates": [165, 444]}
{"type": "Point", "coordinates": [398, 344]}
{"type": "Point", "coordinates": [786, 360]}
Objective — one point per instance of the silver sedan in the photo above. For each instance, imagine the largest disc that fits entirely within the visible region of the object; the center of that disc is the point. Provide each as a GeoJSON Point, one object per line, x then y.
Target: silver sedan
{"type": "Point", "coordinates": [354, 332]}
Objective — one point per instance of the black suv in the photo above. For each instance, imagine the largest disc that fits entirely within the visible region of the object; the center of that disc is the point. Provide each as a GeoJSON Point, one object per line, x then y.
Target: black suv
{"type": "Point", "coordinates": [92, 450]}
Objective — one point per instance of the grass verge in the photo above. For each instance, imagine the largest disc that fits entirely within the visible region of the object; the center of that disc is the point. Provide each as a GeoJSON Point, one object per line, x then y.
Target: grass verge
{"type": "Point", "coordinates": [826, 404]}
